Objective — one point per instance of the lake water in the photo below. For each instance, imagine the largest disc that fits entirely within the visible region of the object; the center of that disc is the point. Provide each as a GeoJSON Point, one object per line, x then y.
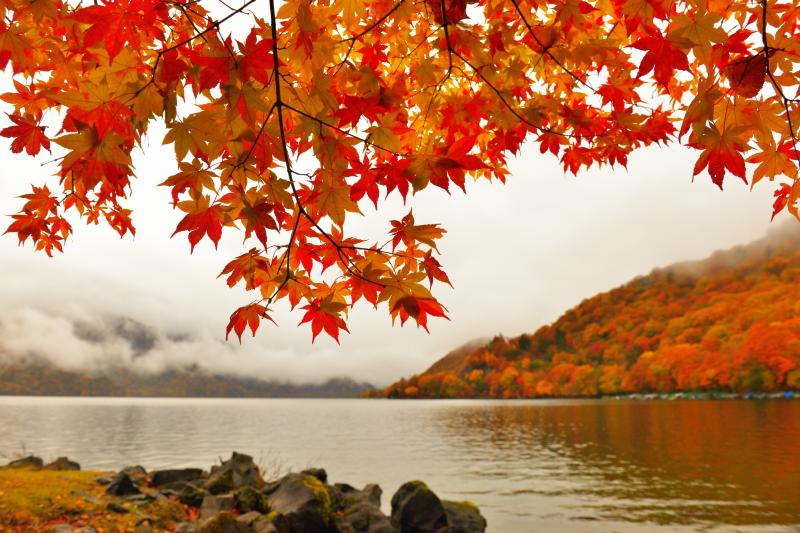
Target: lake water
{"type": "Point", "coordinates": [531, 466]}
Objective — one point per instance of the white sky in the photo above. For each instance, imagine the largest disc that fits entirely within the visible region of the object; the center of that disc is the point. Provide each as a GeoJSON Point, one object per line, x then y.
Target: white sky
{"type": "Point", "coordinates": [518, 255]}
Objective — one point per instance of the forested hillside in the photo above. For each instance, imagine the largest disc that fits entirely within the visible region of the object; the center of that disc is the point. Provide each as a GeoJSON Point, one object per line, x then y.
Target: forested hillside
{"type": "Point", "coordinates": [728, 323]}
{"type": "Point", "coordinates": [44, 379]}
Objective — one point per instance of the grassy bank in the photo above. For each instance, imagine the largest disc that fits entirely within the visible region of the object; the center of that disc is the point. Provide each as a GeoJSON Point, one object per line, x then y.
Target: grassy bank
{"type": "Point", "coordinates": [37, 500]}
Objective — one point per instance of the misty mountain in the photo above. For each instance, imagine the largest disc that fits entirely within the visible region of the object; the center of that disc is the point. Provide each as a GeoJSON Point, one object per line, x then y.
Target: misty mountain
{"type": "Point", "coordinates": [40, 378]}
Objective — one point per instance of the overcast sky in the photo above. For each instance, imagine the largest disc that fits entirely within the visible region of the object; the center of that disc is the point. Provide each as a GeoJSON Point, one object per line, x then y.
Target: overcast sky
{"type": "Point", "coordinates": [518, 255]}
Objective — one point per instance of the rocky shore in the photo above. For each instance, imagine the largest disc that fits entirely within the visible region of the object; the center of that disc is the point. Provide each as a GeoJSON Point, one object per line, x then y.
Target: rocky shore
{"type": "Point", "coordinates": [234, 497]}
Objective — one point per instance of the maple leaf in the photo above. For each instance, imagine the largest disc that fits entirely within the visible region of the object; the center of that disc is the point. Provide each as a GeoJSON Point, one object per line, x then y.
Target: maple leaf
{"type": "Point", "coordinates": [200, 224]}
{"type": "Point", "coordinates": [247, 316]}
{"type": "Point", "coordinates": [119, 22]}
{"type": "Point", "coordinates": [27, 136]}
{"type": "Point", "coordinates": [662, 57]}
{"type": "Point", "coordinates": [721, 151]}
{"type": "Point", "coordinates": [324, 314]}
{"type": "Point", "coordinates": [747, 75]}
{"type": "Point", "coordinates": [406, 231]}
{"type": "Point", "coordinates": [434, 270]}
{"type": "Point", "coordinates": [455, 10]}
{"type": "Point", "coordinates": [418, 309]}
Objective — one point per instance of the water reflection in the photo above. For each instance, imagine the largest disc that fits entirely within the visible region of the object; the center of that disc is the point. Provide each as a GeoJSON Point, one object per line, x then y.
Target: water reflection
{"type": "Point", "coordinates": [692, 463]}
{"type": "Point", "coordinates": [560, 466]}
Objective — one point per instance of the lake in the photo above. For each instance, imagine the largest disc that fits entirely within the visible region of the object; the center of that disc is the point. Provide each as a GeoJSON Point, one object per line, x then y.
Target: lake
{"type": "Point", "coordinates": [531, 466]}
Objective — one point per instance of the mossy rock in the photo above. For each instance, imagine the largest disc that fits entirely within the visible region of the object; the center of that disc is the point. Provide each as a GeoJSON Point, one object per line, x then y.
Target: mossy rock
{"type": "Point", "coordinates": [223, 523]}
{"type": "Point", "coordinates": [303, 503]}
{"type": "Point", "coordinates": [248, 499]}
{"type": "Point", "coordinates": [220, 482]}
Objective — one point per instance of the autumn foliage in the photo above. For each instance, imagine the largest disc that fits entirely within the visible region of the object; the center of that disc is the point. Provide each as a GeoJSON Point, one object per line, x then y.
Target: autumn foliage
{"type": "Point", "coordinates": [283, 132]}
{"type": "Point", "coordinates": [730, 323]}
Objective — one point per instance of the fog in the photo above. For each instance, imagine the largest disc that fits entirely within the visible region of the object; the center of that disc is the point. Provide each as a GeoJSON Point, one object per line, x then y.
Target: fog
{"type": "Point", "coordinates": [518, 255]}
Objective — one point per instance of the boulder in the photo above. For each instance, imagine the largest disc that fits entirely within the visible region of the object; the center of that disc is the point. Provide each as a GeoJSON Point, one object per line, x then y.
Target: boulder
{"type": "Point", "coordinates": [359, 511]}
{"type": "Point", "coordinates": [416, 509]}
{"type": "Point", "coordinates": [137, 473]}
{"type": "Point", "coordinates": [122, 485]}
{"type": "Point", "coordinates": [248, 499]}
{"type": "Point", "coordinates": [62, 463]}
{"type": "Point", "coordinates": [186, 527]}
{"type": "Point", "coordinates": [464, 517]}
{"type": "Point", "coordinates": [191, 495]}
{"type": "Point", "coordinates": [223, 523]}
{"type": "Point", "coordinates": [265, 524]}
{"type": "Point", "coordinates": [318, 473]}
{"type": "Point", "coordinates": [160, 478]}
{"type": "Point", "coordinates": [114, 507]}
{"type": "Point", "coordinates": [303, 503]}
{"type": "Point", "coordinates": [213, 505]}
{"type": "Point", "coordinates": [30, 461]}
{"type": "Point", "coordinates": [61, 528]}
{"type": "Point", "coordinates": [249, 518]}
{"type": "Point", "coordinates": [237, 472]}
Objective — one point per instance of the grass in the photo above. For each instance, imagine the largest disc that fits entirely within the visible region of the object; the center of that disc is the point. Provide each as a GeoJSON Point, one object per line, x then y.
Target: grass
{"type": "Point", "coordinates": [36, 500]}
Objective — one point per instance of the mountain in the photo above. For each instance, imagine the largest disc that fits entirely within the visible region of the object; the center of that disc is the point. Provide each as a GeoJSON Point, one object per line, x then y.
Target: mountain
{"type": "Point", "coordinates": [43, 379]}
{"type": "Point", "coordinates": [728, 323]}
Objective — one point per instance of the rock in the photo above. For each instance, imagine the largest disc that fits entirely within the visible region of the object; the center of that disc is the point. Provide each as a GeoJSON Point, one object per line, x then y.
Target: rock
{"type": "Point", "coordinates": [304, 503]}
{"type": "Point", "coordinates": [248, 499]}
{"type": "Point", "coordinates": [159, 478]}
{"type": "Point", "coordinates": [191, 495]}
{"type": "Point", "coordinates": [137, 473]}
{"type": "Point", "coordinates": [360, 510]}
{"type": "Point", "coordinates": [30, 461]}
{"type": "Point", "coordinates": [213, 505]}
{"type": "Point", "coordinates": [85, 529]}
{"type": "Point", "coordinates": [318, 473]}
{"type": "Point", "coordinates": [265, 525]}
{"type": "Point", "coordinates": [186, 527]}
{"type": "Point", "coordinates": [416, 509]}
{"type": "Point", "coordinates": [143, 528]}
{"type": "Point", "coordinates": [464, 517]}
{"type": "Point", "coordinates": [62, 528]}
{"type": "Point", "coordinates": [223, 523]}
{"type": "Point", "coordinates": [237, 472]}
{"type": "Point", "coordinates": [102, 480]}
{"type": "Point", "coordinates": [249, 518]}
{"type": "Point", "coordinates": [117, 508]}
{"type": "Point", "coordinates": [62, 463]}
{"type": "Point", "coordinates": [122, 485]}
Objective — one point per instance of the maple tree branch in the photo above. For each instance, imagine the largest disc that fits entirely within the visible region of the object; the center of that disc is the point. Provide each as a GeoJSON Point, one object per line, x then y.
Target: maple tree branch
{"type": "Point", "coordinates": [784, 100]}
{"type": "Point", "coordinates": [353, 38]}
{"type": "Point", "coordinates": [279, 104]}
{"type": "Point", "coordinates": [546, 49]}
{"type": "Point", "coordinates": [342, 130]}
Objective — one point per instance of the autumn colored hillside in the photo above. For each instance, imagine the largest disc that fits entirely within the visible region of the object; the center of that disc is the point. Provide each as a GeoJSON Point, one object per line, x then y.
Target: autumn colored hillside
{"type": "Point", "coordinates": [727, 323]}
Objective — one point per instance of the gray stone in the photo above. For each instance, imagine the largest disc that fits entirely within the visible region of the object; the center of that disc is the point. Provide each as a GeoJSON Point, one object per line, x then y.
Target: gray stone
{"type": "Point", "coordinates": [318, 473]}
{"type": "Point", "coordinates": [224, 523]}
{"type": "Point", "coordinates": [117, 508]}
{"type": "Point", "coordinates": [249, 499]}
{"type": "Point", "coordinates": [237, 472]}
{"type": "Point", "coordinates": [249, 518]}
{"type": "Point", "coordinates": [191, 495]}
{"type": "Point", "coordinates": [160, 478]}
{"type": "Point", "coordinates": [464, 517]}
{"type": "Point", "coordinates": [62, 463]}
{"type": "Point", "coordinates": [213, 505]}
{"type": "Point", "coordinates": [416, 509]}
{"type": "Point", "coordinates": [359, 511]}
{"type": "Point", "coordinates": [186, 527]}
{"type": "Point", "coordinates": [30, 461]}
{"type": "Point", "coordinates": [137, 473]}
{"type": "Point", "coordinates": [122, 485]}
{"type": "Point", "coordinates": [62, 528]}
{"type": "Point", "coordinates": [303, 502]}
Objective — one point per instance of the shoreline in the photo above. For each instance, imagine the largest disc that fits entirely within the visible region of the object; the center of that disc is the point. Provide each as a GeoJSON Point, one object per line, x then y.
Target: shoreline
{"type": "Point", "coordinates": [235, 496]}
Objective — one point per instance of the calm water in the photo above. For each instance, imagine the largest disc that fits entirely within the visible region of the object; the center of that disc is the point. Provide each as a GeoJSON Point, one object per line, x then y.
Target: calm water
{"type": "Point", "coordinates": [533, 466]}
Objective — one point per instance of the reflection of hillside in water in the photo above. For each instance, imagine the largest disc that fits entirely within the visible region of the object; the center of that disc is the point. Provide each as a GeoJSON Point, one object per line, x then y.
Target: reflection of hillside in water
{"type": "Point", "coordinates": [675, 462]}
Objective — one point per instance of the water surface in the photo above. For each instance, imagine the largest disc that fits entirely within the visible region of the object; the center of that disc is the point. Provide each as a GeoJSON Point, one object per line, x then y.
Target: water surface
{"type": "Point", "coordinates": [531, 466]}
